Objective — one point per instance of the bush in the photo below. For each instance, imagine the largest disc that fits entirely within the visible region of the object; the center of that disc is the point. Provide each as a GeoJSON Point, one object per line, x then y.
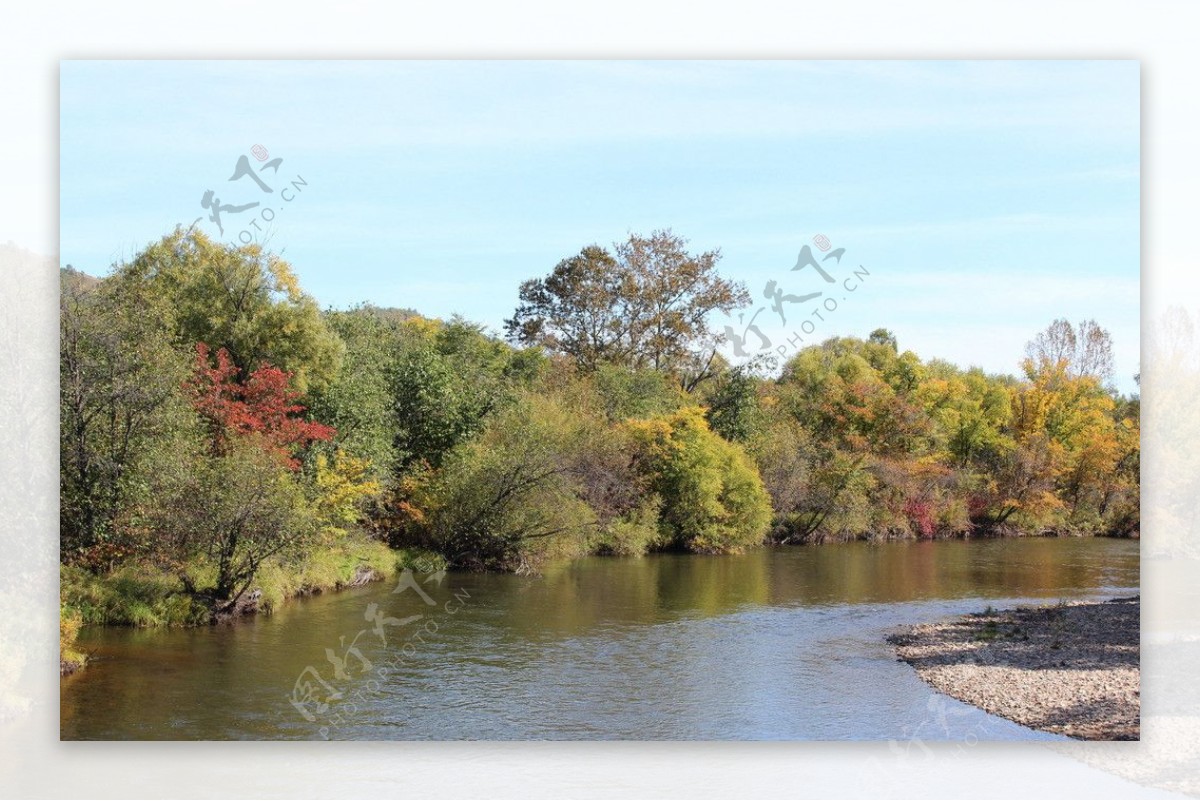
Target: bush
{"type": "Point", "coordinates": [237, 511]}
{"type": "Point", "coordinates": [635, 533]}
{"type": "Point", "coordinates": [537, 484]}
{"type": "Point", "coordinates": [713, 498]}
{"type": "Point", "coordinates": [627, 393]}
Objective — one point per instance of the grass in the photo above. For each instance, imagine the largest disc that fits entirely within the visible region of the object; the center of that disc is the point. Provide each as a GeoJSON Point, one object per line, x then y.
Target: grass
{"type": "Point", "coordinates": [69, 622]}
{"type": "Point", "coordinates": [145, 595]}
{"type": "Point", "coordinates": [328, 569]}
{"type": "Point", "coordinates": [132, 595]}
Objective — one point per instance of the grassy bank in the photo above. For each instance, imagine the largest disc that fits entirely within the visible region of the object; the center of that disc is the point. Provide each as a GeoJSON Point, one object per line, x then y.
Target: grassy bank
{"type": "Point", "coordinates": [147, 595]}
{"type": "Point", "coordinates": [69, 659]}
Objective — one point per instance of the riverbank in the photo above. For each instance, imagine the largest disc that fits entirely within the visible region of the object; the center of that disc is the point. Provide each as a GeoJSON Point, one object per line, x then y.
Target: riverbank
{"type": "Point", "coordinates": [1070, 669]}
{"type": "Point", "coordinates": [143, 595]}
{"type": "Point", "coordinates": [69, 659]}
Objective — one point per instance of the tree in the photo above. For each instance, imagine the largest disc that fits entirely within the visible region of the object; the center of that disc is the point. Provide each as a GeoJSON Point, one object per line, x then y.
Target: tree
{"type": "Point", "coordinates": [436, 405]}
{"type": "Point", "coordinates": [236, 511]}
{"type": "Point", "coordinates": [447, 382]}
{"type": "Point", "coordinates": [264, 407]}
{"type": "Point", "coordinates": [359, 400]}
{"type": "Point", "coordinates": [733, 405]}
{"type": "Point", "coordinates": [342, 484]}
{"type": "Point", "coordinates": [121, 408]}
{"type": "Point", "coordinates": [576, 310]}
{"type": "Point", "coordinates": [644, 305]}
{"type": "Point", "coordinates": [882, 336]}
{"type": "Point", "coordinates": [540, 480]}
{"type": "Point", "coordinates": [242, 299]}
{"type": "Point", "coordinates": [1083, 350]}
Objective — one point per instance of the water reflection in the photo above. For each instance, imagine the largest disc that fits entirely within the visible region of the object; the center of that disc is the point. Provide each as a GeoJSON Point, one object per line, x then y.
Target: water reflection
{"type": "Point", "coordinates": [776, 643]}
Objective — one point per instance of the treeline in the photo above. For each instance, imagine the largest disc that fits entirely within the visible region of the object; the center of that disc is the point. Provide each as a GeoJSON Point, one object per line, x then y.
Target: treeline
{"type": "Point", "coordinates": [218, 429]}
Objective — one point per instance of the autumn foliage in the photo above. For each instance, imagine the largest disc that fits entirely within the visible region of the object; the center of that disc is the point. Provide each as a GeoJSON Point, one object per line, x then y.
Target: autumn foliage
{"type": "Point", "coordinates": [263, 406]}
{"type": "Point", "coordinates": [216, 424]}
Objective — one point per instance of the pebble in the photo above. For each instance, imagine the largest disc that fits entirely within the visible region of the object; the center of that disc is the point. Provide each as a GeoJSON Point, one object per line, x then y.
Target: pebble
{"type": "Point", "coordinates": [1071, 669]}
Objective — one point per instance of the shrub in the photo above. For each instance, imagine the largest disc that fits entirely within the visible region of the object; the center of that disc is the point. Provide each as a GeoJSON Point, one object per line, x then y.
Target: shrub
{"type": "Point", "coordinates": [635, 533]}
{"type": "Point", "coordinates": [713, 498]}
{"type": "Point", "coordinates": [537, 484]}
{"type": "Point", "coordinates": [508, 500]}
{"type": "Point", "coordinates": [236, 511]}
{"type": "Point", "coordinates": [627, 393]}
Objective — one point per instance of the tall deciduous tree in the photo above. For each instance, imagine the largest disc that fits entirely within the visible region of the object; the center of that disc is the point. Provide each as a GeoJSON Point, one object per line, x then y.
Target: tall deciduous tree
{"type": "Point", "coordinates": [644, 304]}
{"type": "Point", "coordinates": [1083, 350]}
{"type": "Point", "coordinates": [120, 407]}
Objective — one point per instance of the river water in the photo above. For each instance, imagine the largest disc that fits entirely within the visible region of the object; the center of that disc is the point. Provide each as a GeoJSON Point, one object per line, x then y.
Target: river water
{"type": "Point", "coordinates": [779, 643]}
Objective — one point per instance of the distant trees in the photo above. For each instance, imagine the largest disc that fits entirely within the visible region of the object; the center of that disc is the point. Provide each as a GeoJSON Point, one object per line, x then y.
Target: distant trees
{"type": "Point", "coordinates": [859, 439]}
{"type": "Point", "coordinates": [643, 305]}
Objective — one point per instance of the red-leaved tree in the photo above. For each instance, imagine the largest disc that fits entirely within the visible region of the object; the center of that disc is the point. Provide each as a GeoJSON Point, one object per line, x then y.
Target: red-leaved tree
{"type": "Point", "coordinates": [264, 405]}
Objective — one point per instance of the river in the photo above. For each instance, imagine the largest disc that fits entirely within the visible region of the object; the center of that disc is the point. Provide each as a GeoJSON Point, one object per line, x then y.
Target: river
{"type": "Point", "coordinates": [776, 644]}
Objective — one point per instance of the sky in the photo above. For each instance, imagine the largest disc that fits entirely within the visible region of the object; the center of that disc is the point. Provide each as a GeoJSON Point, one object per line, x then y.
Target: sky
{"type": "Point", "coordinates": [975, 201]}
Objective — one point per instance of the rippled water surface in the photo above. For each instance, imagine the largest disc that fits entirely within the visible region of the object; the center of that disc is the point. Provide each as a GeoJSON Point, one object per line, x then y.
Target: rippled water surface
{"type": "Point", "coordinates": [777, 644]}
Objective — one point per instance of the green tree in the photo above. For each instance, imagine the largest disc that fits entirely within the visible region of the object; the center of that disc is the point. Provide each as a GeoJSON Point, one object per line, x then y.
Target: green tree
{"type": "Point", "coordinates": [446, 384]}
{"type": "Point", "coordinates": [359, 401]}
{"type": "Point", "coordinates": [539, 481]}
{"type": "Point", "coordinates": [882, 336]}
{"type": "Point", "coordinates": [121, 412]}
{"type": "Point", "coordinates": [733, 405]}
{"type": "Point", "coordinates": [645, 304]}
{"type": "Point", "coordinates": [235, 511]}
{"type": "Point", "coordinates": [242, 299]}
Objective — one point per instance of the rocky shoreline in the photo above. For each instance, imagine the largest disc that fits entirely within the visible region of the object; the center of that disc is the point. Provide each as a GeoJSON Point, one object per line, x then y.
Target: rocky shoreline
{"type": "Point", "coordinates": [1070, 668]}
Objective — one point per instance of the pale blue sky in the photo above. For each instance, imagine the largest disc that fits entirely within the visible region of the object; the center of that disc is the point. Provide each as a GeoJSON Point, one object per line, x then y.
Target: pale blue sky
{"type": "Point", "coordinates": [985, 198]}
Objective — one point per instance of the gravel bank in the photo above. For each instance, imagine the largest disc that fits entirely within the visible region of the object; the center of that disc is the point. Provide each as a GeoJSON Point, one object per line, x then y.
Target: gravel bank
{"type": "Point", "coordinates": [1070, 669]}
